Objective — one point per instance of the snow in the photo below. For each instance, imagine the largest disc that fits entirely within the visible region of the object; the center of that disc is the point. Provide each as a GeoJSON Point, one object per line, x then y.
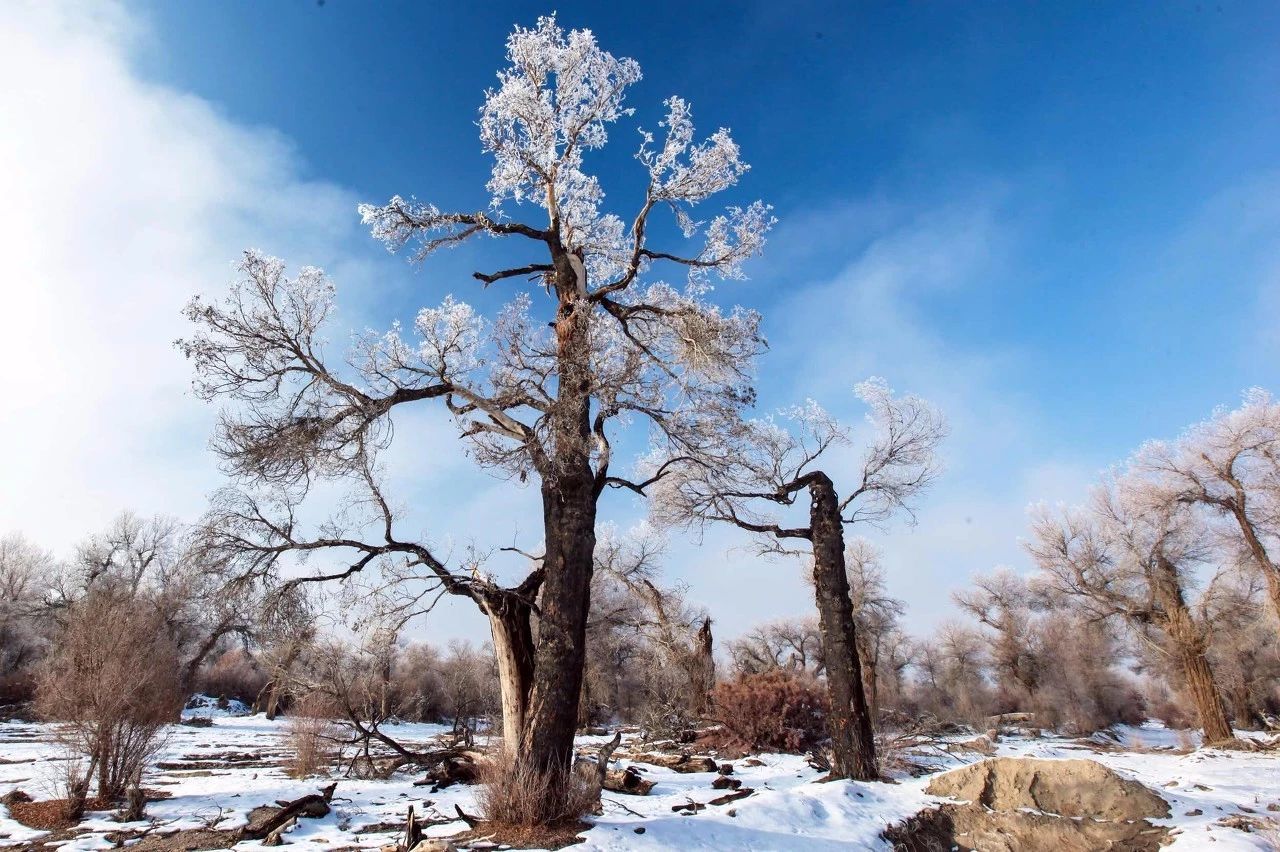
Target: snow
{"type": "Point", "coordinates": [790, 809]}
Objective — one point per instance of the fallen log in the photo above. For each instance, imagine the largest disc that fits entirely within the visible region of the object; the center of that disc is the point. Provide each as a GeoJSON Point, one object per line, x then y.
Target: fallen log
{"type": "Point", "coordinates": [677, 762]}
{"type": "Point", "coordinates": [628, 781]}
{"type": "Point", "coordinates": [731, 797]}
{"type": "Point", "coordinates": [311, 805]}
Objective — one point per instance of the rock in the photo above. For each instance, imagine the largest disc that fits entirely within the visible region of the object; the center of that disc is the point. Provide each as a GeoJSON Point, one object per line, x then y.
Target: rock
{"type": "Point", "coordinates": [1071, 788]}
{"type": "Point", "coordinates": [639, 829]}
{"type": "Point", "coordinates": [1194, 812]}
{"type": "Point", "coordinates": [1020, 719]}
{"type": "Point", "coordinates": [725, 769]}
{"type": "Point", "coordinates": [724, 782]}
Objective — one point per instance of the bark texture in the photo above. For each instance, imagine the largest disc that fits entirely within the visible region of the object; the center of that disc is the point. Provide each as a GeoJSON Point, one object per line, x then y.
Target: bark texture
{"type": "Point", "coordinates": [852, 734]}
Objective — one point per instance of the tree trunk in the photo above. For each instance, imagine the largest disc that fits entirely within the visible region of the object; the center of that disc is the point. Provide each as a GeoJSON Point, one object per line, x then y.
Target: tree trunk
{"type": "Point", "coordinates": [569, 496]}
{"type": "Point", "coordinates": [552, 717]}
{"type": "Point", "coordinates": [870, 679]}
{"type": "Point", "coordinates": [510, 624]}
{"type": "Point", "coordinates": [1189, 642]}
{"type": "Point", "coordinates": [1204, 694]}
{"type": "Point", "coordinates": [852, 734]}
{"type": "Point", "coordinates": [704, 668]}
{"type": "Point", "coordinates": [1258, 550]}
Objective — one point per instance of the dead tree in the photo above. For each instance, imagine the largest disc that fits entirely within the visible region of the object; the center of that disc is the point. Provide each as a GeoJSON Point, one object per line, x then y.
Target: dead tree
{"type": "Point", "coordinates": [538, 390]}
{"type": "Point", "coordinates": [1128, 555]}
{"type": "Point", "coordinates": [764, 469]}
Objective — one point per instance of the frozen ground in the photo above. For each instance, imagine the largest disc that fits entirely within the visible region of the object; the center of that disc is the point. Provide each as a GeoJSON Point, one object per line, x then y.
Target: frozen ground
{"type": "Point", "coordinates": [216, 775]}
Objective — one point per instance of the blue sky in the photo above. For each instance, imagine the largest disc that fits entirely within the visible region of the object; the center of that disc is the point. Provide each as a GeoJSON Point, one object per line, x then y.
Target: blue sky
{"type": "Point", "coordinates": [1057, 220]}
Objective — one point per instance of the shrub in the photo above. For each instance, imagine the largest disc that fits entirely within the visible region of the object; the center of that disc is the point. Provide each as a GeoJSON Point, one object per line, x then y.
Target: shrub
{"type": "Point", "coordinates": [113, 681]}
{"type": "Point", "coordinates": [513, 794]}
{"type": "Point", "coordinates": [313, 737]}
{"type": "Point", "coordinates": [775, 710]}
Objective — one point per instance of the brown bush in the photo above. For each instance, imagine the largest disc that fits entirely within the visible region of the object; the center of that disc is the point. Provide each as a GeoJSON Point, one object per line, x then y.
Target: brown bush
{"type": "Point", "coordinates": [234, 675]}
{"type": "Point", "coordinates": [513, 794]}
{"type": "Point", "coordinates": [313, 737]}
{"type": "Point", "coordinates": [775, 710]}
{"type": "Point", "coordinates": [113, 682]}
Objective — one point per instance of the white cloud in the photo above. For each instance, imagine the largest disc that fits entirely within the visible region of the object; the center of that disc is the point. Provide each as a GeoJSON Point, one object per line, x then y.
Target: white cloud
{"type": "Point", "coordinates": [867, 318]}
{"type": "Point", "coordinates": [122, 198]}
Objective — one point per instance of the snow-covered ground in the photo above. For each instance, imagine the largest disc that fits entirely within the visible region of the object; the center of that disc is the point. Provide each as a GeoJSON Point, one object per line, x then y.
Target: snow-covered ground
{"type": "Point", "coordinates": [790, 809]}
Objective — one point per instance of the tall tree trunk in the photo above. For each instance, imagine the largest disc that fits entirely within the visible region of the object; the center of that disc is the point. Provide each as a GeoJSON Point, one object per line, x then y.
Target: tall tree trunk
{"type": "Point", "coordinates": [569, 496]}
{"type": "Point", "coordinates": [852, 734]}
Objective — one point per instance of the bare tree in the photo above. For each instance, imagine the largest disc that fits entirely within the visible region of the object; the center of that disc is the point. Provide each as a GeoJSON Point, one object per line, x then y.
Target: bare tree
{"type": "Point", "coordinates": [794, 644]}
{"type": "Point", "coordinates": [1001, 603]}
{"type": "Point", "coordinates": [677, 634]}
{"type": "Point", "coordinates": [762, 469]}
{"type": "Point", "coordinates": [875, 612]}
{"type": "Point", "coordinates": [537, 397]}
{"type": "Point", "coordinates": [26, 574]}
{"type": "Point", "coordinates": [1131, 555]}
{"type": "Point", "coordinates": [1230, 464]}
{"type": "Point", "coordinates": [112, 681]}
{"type": "Point", "coordinates": [150, 560]}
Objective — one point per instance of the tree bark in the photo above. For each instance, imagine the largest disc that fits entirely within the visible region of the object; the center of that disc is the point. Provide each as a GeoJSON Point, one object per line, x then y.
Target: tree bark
{"type": "Point", "coordinates": [1190, 644]}
{"type": "Point", "coordinates": [552, 716]}
{"type": "Point", "coordinates": [852, 734]}
{"type": "Point", "coordinates": [703, 676]}
{"type": "Point", "coordinates": [569, 496]}
{"type": "Point", "coordinates": [1204, 694]}
{"type": "Point", "coordinates": [870, 680]}
{"type": "Point", "coordinates": [510, 624]}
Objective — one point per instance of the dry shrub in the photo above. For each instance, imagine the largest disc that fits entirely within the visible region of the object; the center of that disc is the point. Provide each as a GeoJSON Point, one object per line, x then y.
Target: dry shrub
{"type": "Point", "coordinates": [113, 682]}
{"type": "Point", "coordinates": [772, 711]}
{"type": "Point", "coordinates": [313, 737]}
{"type": "Point", "coordinates": [234, 675]}
{"type": "Point", "coordinates": [513, 793]}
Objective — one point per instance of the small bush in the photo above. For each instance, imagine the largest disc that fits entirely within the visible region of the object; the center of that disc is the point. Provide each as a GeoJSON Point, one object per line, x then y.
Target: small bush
{"type": "Point", "coordinates": [313, 737]}
{"type": "Point", "coordinates": [112, 682]}
{"type": "Point", "coordinates": [772, 711]}
{"type": "Point", "coordinates": [514, 794]}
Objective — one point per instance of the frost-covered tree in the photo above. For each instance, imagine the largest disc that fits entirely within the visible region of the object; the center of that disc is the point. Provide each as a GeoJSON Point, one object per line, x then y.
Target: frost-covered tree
{"type": "Point", "coordinates": [1230, 465]}
{"type": "Point", "coordinates": [875, 613]}
{"type": "Point", "coordinates": [1001, 602]}
{"type": "Point", "coordinates": [764, 467]}
{"type": "Point", "coordinates": [591, 338]}
{"type": "Point", "coordinates": [1132, 555]}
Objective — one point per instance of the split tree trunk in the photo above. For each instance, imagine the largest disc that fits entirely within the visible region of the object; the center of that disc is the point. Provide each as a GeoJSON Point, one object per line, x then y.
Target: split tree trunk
{"type": "Point", "coordinates": [852, 734]}
{"type": "Point", "coordinates": [511, 626]}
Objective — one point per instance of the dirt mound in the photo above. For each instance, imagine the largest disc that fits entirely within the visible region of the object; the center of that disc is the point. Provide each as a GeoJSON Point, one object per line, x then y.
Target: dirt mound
{"type": "Point", "coordinates": [1084, 806]}
{"type": "Point", "coordinates": [1072, 788]}
{"type": "Point", "coordinates": [969, 828]}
